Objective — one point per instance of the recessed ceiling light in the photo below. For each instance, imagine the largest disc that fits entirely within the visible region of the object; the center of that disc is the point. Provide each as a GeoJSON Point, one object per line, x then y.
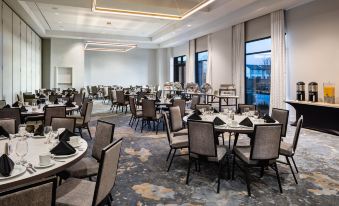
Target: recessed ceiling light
{"type": "Point", "coordinates": [56, 13]}
{"type": "Point", "coordinates": [109, 46]}
{"type": "Point", "coordinates": [188, 25]}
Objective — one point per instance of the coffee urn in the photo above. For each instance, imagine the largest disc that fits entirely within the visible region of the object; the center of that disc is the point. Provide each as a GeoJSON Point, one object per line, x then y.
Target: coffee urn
{"type": "Point", "coordinates": [300, 91]}
{"type": "Point", "coordinates": [313, 92]}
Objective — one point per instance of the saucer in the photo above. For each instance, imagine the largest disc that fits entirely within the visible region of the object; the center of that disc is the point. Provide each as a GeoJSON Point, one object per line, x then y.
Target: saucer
{"type": "Point", "coordinates": [38, 165]}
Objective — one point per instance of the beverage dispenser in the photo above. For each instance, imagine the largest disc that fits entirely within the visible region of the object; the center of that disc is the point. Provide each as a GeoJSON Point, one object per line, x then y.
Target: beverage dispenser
{"type": "Point", "coordinates": [313, 92]}
{"type": "Point", "coordinates": [301, 91]}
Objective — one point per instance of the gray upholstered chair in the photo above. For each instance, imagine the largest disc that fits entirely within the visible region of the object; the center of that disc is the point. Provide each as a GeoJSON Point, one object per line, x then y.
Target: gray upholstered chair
{"type": "Point", "coordinates": [88, 166]}
{"type": "Point", "coordinates": [195, 100]}
{"type": "Point", "coordinates": [203, 145]}
{"type": "Point", "coordinates": [288, 150]}
{"type": "Point", "coordinates": [94, 91]}
{"type": "Point", "coordinates": [11, 113]}
{"type": "Point", "coordinates": [105, 94]}
{"type": "Point", "coordinates": [281, 115]}
{"type": "Point", "coordinates": [63, 122]}
{"type": "Point", "coordinates": [149, 114]}
{"type": "Point", "coordinates": [58, 111]}
{"type": "Point", "coordinates": [29, 98]}
{"type": "Point", "coordinates": [121, 102]}
{"type": "Point", "coordinates": [182, 104]}
{"type": "Point", "coordinates": [203, 106]}
{"type": "Point", "coordinates": [263, 151]}
{"type": "Point", "coordinates": [86, 193]}
{"type": "Point", "coordinates": [40, 193]}
{"type": "Point", "coordinates": [78, 99]}
{"type": "Point", "coordinates": [113, 94]}
{"type": "Point", "coordinates": [175, 141]}
{"type": "Point", "coordinates": [82, 121]}
{"type": "Point", "coordinates": [8, 125]}
{"type": "Point", "coordinates": [176, 123]}
{"type": "Point", "coordinates": [136, 115]}
{"type": "Point", "coordinates": [246, 108]}
{"type": "Point", "coordinates": [2, 103]}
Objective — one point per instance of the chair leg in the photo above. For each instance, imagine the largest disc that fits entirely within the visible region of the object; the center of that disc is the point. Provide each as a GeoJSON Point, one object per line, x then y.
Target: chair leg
{"type": "Point", "coordinates": [219, 175]}
{"type": "Point", "coordinates": [278, 177]}
{"type": "Point", "coordinates": [289, 164]}
{"type": "Point", "coordinates": [169, 166]}
{"type": "Point", "coordinates": [89, 131]}
{"type": "Point", "coordinates": [142, 125]}
{"type": "Point", "coordinates": [169, 154]}
{"type": "Point", "coordinates": [295, 164]}
{"type": "Point", "coordinates": [223, 140]}
{"type": "Point", "coordinates": [188, 171]}
{"type": "Point", "coordinates": [136, 125]}
{"type": "Point", "coordinates": [158, 122]}
{"type": "Point", "coordinates": [262, 169]}
{"type": "Point", "coordinates": [248, 182]}
{"type": "Point", "coordinates": [80, 131]}
{"type": "Point", "coordinates": [130, 120]}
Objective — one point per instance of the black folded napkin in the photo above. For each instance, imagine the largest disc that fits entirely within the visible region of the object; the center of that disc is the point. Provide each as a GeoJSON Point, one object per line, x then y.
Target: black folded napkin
{"type": "Point", "coordinates": [127, 92]}
{"type": "Point", "coordinates": [23, 109]}
{"type": "Point", "coordinates": [30, 128]}
{"type": "Point", "coordinates": [63, 148]}
{"type": "Point", "coordinates": [6, 165]}
{"type": "Point", "coordinates": [217, 121]}
{"type": "Point", "coordinates": [56, 101]}
{"type": "Point", "coordinates": [68, 94]}
{"type": "Point", "coordinates": [172, 100]}
{"type": "Point", "coordinates": [157, 100]}
{"type": "Point", "coordinates": [65, 135]}
{"type": "Point", "coordinates": [197, 112]}
{"type": "Point", "coordinates": [16, 104]}
{"type": "Point", "coordinates": [7, 106]}
{"type": "Point", "coordinates": [145, 97]}
{"type": "Point", "coordinates": [268, 119]}
{"type": "Point", "coordinates": [215, 111]}
{"type": "Point", "coordinates": [42, 96]}
{"type": "Point", "coordinates": [3, 132]}
{"type": "Point", "coordinates": [246, 122]}
{"type": "Point", "coordinates": [69, 104]}
{"type": "Point", "coordinates": [194, 116]}
{"type": "Point", "coordinates": [39, 131]}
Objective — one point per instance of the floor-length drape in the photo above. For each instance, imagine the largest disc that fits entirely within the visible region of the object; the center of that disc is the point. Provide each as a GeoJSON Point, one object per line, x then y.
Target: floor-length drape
{"type": "Point", "coordinates": [209, 60]}
{"type": "Point", "coordinates": [238, 60]}
{"type": "Point", "coordinates": [278, 60]}
{"type": "Point", "coordinates": [190, 73]}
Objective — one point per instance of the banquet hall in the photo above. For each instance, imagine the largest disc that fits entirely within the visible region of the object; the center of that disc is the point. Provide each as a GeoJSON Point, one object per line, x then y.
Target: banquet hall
{"type": "Point", "coordinates": [169, 102]}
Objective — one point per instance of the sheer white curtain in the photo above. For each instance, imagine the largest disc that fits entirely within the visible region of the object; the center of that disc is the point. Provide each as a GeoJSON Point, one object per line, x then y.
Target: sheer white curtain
{"type": "Point", "coordinates": [190, 77]}
{"type": "Point", "coordinates": [209, 60]}
{"type": "Point", "coordinates": [278, 60]}
{"type": "Point", "coordinates": [238, 63]}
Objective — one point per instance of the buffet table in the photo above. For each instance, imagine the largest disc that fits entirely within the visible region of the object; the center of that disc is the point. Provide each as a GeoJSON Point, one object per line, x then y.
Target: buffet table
{"type": "Point", "coordinates": [317, 115]}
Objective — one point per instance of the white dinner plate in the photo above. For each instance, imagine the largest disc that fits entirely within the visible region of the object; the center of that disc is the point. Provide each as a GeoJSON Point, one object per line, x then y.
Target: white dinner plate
{"type": "Point", "coordinates": [3, 137]}
{"type": "Point", "coordinates": [38, 137]}
{"type": "Point", "coordinates": [65, 156]}
{"type": "Point", "coordinates": [17, 170]}
{"type": "Point", "coordinates": [74, 144]}
{"type": "Point", "coordinates": [39, 166]}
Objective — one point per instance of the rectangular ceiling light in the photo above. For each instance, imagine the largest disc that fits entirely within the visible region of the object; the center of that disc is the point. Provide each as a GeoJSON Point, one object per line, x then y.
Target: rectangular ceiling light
{"type": "Point", "coordinates": [109, 46]}
{"type": "Point", "coordinates": [159, 15]}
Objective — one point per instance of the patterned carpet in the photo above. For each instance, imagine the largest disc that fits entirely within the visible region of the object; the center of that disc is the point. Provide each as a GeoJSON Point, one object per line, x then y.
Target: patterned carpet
{"type": "Point", "coordinates": [143, 180]}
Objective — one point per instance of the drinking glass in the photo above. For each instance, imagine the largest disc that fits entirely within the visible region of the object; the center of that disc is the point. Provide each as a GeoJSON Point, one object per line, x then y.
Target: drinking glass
{"type": "Point", "coordinates": [21, 149]}
{"type": "Point", "coordinates": [47, 132]}
{"type": "Point", "coordinates": [22, 130]}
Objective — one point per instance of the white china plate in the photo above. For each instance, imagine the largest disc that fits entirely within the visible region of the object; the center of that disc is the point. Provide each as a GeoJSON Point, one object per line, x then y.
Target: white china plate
{"type": "Point", "coordinates": [74, 144]}
{"type": "Point", "coordinates": [3, 137]}
{"type": "Point", "coordinates": [39, 166]}
{"type": "Point", "coordinates": [17, 170]}
{"type": "Point", "coordinates": [65, 156]}
{"type": "Point", "coordinates": [38, 137]}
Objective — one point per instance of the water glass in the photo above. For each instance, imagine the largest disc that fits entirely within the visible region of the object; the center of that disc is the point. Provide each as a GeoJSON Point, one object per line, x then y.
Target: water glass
{"type": "Point", "coordinates": [21, 149]}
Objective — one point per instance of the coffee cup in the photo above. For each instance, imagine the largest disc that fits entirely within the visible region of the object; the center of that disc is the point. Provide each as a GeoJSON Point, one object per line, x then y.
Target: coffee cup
{"type": "Point", "coordinates": [44, 159]}
{"type": "Point", "coordinates": [26, 103]}
{"type": "Point", "coordinates": [74, 103]}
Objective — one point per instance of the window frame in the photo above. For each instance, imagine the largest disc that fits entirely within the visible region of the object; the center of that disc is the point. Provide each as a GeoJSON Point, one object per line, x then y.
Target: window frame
{"type": "Point", "coordinates": [176, 65]}
{"type": "Point", "coordinates": [196, 65]}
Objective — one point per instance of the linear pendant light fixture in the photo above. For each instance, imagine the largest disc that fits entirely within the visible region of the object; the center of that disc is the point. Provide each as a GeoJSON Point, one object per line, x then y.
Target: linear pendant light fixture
{"type": "Point", "coordinates": [202, 4]}
{"type": "Point", "coordinates": [108, 46]}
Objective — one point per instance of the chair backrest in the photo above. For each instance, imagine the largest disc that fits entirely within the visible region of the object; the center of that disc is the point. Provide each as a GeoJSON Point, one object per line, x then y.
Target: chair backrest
{"type": "Point", "coordinates": [182, 104]}
{"type": "Point", "coordinates": [281, 115]}
{"type": "Point", "coordinates": [120, 97]}
{"type": "Point", "coordinates": [195, 101]}
{"type": "Point", "coordinates": [78, 99]}
{"type": "Point", "coordinates": [148, 108]}
{"type": "Point", "coordinates": [266, 142]}
{"type": "Point", "coordinates": [105, 91]}
{"type": "Point", "coordinates": [88, 89]}
{"type": "Point", "coordinates": [8, 125]}
{"type": "Point", "coordinates": [63, 122]}
{"type": "Point", "coordinates": [132, 106]}
{"type": "Point", "coordinates": [52, 98]}
{"type": "Point", "coordinates": [42, 193]}
{"type": "Point", "coordinates": [29, 98]}
{"type": "Point", "coordinates": [168, 129]}
{"type": "Point", "coordinates": [297, 133]}
{"type": "Point", "coordinates": [175, 118]}
{"type": "Point", "coordinates": [243, 107]}
{"type": "Point", "coordinates": [108, 168]}
{"type": "Point", "coordinates": [203, 106]}
{"type": "Point", "coordinates": [201, 138]}
{"type": "Point", "coordinates": [59, 111]}
{"type": "Point", "coordinates": [103, 136]}
{"type": "Point", "coordinates": [2, 103]}
{"type": "Point", "coordinates": [94, 90]}
{"type": "Point", "coordinates": [11, 113]}
{"type": "Point", "coordinates": [84, 106]}
{"type": "Point", "coordinates": [88, 113]}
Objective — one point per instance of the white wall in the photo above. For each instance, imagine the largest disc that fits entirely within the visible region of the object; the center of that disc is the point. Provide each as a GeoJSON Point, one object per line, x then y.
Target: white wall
{"type": "Point", "coordinates": [313, 44]}
{"type": "Point", "coordinates": [136, 67]}
{"type": "Point", "coordinates": [67, 53]}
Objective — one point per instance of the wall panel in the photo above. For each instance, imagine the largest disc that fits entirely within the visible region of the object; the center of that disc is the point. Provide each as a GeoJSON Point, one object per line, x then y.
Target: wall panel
{"type": "Point", "coordinates": [23, 57]}
{"type": "Point", "coordinates": [38, 62]}
{"type": "Point", "coordinates": [7, 76]}
{"type": "Point", "coordinates": [29, 60]}
{"type": "Point", "coordinates": [16, 56]}
{"type": "Point", "coordinates": [33, 61]}
{"type": "Point", "coordinates": [1, 53]}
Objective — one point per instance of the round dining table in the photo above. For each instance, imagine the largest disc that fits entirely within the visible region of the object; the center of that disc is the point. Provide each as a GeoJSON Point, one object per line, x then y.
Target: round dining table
{"type": "Point", "coordinates": [36, 147]}
{"type": "Point", "coordinates": [40, 111]}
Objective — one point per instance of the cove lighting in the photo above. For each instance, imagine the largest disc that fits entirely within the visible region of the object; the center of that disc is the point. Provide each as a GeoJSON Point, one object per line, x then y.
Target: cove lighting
{"type": "Point", "coordinates": [188, 13]}
{"type": "Point", "coordinates": [108, 46]}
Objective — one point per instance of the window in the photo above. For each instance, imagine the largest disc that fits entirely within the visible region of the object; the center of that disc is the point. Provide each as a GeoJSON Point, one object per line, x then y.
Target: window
{"type": "Point", "coordinates": [179, 69]}
{"type": "Point", "coordinates": [258, 73]}
{"type": "Point", "coordinates": [201, 67]}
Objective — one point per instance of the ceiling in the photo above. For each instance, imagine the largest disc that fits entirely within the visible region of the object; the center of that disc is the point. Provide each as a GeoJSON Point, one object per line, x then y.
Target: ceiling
{"type": "Point", "coordinates": [75, 19]}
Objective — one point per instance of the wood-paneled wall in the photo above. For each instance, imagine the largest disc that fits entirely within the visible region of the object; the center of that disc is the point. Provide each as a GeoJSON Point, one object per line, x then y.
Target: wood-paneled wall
{"type": "Point", "coordinates": [20, 56]}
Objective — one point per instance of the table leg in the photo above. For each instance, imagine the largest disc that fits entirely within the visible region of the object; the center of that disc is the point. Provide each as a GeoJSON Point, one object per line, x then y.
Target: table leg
{"type": "Point", "coordinates": [219, 104]}
{"type": "Point", "coordinates": [236, 136]}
